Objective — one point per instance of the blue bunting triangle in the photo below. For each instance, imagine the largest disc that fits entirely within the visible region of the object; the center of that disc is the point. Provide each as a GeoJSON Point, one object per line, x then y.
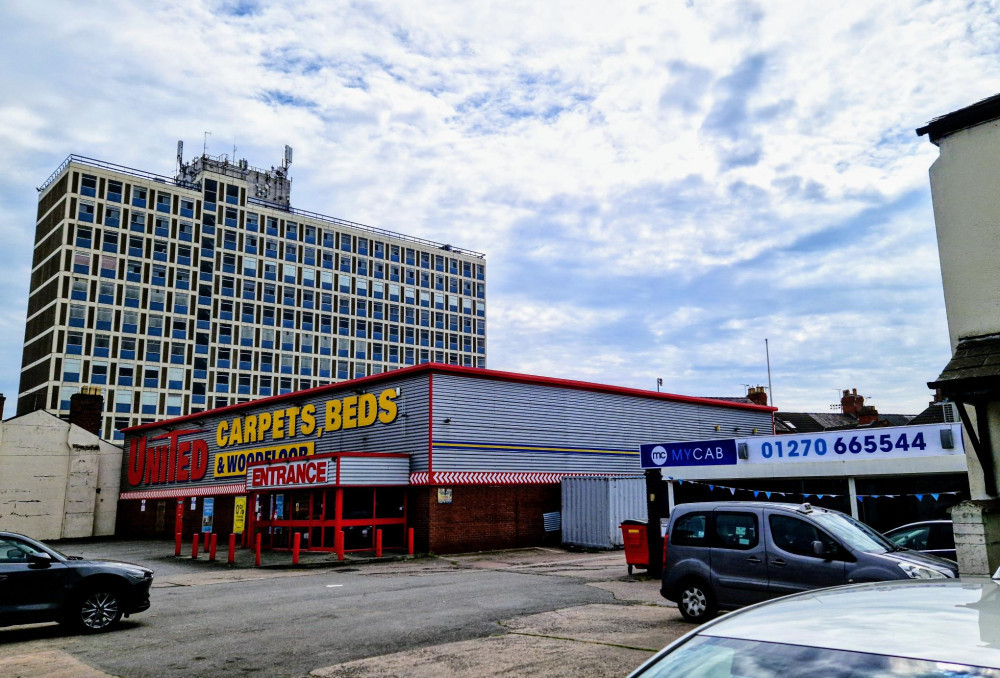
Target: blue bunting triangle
{"type": "Point", "coordinates": [768, 494]}
{"type": "Point", "coordinates": [935, 496]}
{"type": "Point", "coordinates": [755, 493]}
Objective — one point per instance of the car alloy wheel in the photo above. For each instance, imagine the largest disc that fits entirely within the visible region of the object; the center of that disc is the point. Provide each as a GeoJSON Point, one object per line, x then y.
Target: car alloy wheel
{"type": "Point", "coordinates": [694, 602]}
{"type": "Point", "coordinates": [99, 611]}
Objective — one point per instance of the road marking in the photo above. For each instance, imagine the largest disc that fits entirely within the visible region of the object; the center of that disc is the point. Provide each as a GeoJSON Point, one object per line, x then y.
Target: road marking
{"type": "Point", "coordinates": [333, 586]}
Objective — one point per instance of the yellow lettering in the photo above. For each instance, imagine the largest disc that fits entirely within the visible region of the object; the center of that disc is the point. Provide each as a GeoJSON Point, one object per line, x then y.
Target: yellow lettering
{"type": "Point", "coordinates": [236, 434]}
{"type": "Point", "coordinates": [250, 428]}
{"type": "Point", "coordinates": [222, 434]}
{"type": "Point", "coordinates": [387, 403]}
{"type": "Point", "coordinates": [367, 409]}
{"type": "Point", "coordinates": [350, 412]}
{"type": "Point", "coordinates": [292, 413]}
{"type": "Point", "coordinates": [279, 424]}
{"type": "Point", "coordinates": [263, 424]}
{"type": "Point", "coordinates": [308, 420]}
{"type": "Point", "coordinates": [332, 415]}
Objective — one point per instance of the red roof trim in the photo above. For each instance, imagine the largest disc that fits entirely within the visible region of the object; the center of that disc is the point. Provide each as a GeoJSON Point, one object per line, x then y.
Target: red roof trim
{"type": "Point", "coordinates": [475, 372]}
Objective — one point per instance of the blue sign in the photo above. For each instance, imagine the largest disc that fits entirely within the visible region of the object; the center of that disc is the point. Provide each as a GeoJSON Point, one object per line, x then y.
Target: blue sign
{"type": "Point", "coordinates": [207, 514]}
{"type": "Point", "coordinates": [694, 453]}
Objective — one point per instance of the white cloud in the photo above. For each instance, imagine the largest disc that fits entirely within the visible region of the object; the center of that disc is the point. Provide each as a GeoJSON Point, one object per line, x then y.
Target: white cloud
{"type": "Point", "coordinates": [656, 186]}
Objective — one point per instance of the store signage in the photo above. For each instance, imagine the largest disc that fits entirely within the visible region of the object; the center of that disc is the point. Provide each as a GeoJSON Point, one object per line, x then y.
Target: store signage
{"type": "Point", "coordinates": [176, 459]}
{"type": "Point", "coordinates": [207, 514]}
{"type": "Point", "coordinates": [891, 442]}
{"type": "Point", "coordinates": [291, 474]}
{"type": "Point", "coordinates": [697, 453]}
{"type": "Point", "coordinates": [233, 464]}
{"type": "Point", "coordinates": [353, 411]}
{"type": "Point", "coordinates": [239, 514]}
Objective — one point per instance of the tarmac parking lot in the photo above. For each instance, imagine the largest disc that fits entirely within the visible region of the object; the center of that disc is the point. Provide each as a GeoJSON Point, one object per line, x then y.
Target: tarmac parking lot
{"type": "Point", "coordinates": [539, 611]}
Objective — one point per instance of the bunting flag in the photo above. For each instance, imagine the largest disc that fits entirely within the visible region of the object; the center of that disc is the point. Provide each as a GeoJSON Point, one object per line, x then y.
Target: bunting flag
{"type": "Point", "coordinates": [806, 495]}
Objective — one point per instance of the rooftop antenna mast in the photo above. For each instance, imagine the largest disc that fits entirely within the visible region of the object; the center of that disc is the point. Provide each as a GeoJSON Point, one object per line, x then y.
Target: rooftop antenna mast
{"type": "Point", "coordinates": [767, 353]}
{"type": "Point", "coordinates": [204, 148]}
{"type": "Point", "coordinates": [180, 154]}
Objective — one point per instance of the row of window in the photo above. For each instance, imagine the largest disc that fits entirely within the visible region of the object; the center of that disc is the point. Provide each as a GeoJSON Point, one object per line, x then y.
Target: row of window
{"type": "Point", "coordinates": [260, 223]}
{"type": "Point", "coordinates": [249, 263]}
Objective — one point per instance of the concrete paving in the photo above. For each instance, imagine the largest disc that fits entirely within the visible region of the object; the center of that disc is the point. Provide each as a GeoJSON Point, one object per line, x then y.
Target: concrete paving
{"type": "Point", "coordinates": [597, 639]}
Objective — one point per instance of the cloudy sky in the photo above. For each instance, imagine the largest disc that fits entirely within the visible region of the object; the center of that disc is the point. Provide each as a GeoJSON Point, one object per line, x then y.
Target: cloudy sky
{"type": "Point", "coordinates": [657, 186]}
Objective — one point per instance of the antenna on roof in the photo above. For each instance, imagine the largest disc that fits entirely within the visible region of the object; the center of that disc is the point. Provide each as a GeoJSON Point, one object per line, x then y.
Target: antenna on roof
{"type": "Point", "coordinates": [288, 157]}
{"type": "Point", "coordinates": [767, 353]}
{"type": "Point", "coordinates": [180, 154]}
{"type": "Point", "coordinates": [204, 148]}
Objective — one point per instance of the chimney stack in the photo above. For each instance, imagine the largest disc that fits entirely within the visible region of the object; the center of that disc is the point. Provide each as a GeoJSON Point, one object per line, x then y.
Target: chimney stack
{"type": "Point", "coordinates": [757, 395]}
{"type": "Point", "coordinates": [851, 403]}
{"type": "Point", "coordinates": [86, 408]}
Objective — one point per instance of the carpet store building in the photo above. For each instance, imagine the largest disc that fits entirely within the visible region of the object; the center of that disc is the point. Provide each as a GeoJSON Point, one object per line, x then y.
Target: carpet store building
{"type": "Point", "coordinates": [469, 458]}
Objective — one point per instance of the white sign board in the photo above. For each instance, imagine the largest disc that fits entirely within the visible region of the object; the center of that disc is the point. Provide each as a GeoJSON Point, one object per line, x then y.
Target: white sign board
{"type": "Point", "coordinates": [892, 442]}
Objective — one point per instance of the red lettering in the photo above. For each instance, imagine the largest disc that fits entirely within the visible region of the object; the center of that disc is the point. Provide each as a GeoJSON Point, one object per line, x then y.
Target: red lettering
{"type": "Point", "coordinates": [199, 459]}
{"type": "Point", "coordinates": [321, 473]}
{"type": "Point", "coordinates": [183, 458]}
{"type": "Point", "coordinates": [168, 451]}
{"type": "Point", "coordinates": [279, 475]}
{"type": "Point", "coordinates": [163, 458]}
{"type": "Point", "coordinates": [136, 458]}
{"type": "Point", "coordinates": [152, 474]}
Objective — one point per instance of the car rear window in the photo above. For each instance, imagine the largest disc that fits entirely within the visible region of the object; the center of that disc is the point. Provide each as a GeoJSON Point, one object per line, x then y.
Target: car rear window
{"type": "Point", "coordinates": [690, 530]}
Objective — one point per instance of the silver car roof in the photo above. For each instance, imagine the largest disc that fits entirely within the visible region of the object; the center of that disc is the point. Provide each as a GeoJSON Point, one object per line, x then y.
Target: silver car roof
{"type": "Point", "coordinates": [955, 621]}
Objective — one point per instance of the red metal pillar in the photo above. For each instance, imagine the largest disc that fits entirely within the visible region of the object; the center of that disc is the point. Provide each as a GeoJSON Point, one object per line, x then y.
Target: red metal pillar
{"type": "Point", "coordinates": [177, 543]}
{"type": "Point", "coordinates": [338, 546]}
{"type": "Point", "coordinates": [409, 541]}
{"type": "Point", "coordinates": [211, 549]}
{"type": "Point", "coordinates": [232, 548]}
{"type": "Point", "coordinates": [194, 546]}
{"type": "Point", "coordinates": [296, 545]}
{"type": "Point", "coordinates": [256, 561]}
{"type": "Point", "coordinates": [378, 543]}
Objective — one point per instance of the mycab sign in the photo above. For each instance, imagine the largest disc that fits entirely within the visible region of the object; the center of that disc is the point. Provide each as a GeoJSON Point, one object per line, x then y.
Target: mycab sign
{"type": "Point", "coordinates": [699, 453]}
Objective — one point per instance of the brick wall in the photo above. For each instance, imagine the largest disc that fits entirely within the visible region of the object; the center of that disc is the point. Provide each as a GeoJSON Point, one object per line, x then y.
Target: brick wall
{"type": "Point", "coordinates": [482, 518]}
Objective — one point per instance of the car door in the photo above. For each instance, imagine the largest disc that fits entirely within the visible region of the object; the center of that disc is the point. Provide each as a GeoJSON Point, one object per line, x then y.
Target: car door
{"type": "Point", "coordinates": [738, 557]}
{"type": "Point", "coordinates": [942, 540]}
{"type": "Point", "coordinates": [791, 563]}
{"type": "Point", "coordinates": [28, 591]}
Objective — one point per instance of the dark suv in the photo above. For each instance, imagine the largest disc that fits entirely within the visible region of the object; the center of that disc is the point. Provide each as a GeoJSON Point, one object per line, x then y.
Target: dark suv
{"type": "Point", "coordinates": [40, 584]}
{"type": "Point", "coordinates": [724, 555]}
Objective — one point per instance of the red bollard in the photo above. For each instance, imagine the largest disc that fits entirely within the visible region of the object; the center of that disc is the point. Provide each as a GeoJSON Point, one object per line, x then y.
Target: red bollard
{"type": "Point", "coordinates": [338, 544]}
{"type": "Point", "coordinates": [211, 549]}
{"type": "Point", "coordinates": [256, 561]}
{"type": "Point", "coordinates": [296, 545]}
{"type": "Point", "coordinates": [177, 544]}
{"type": "Point", "coordinates": [409, 541]}
{"type": "Point", "coordinates": [204, 547]}
{"type": "Point", "coordinates": [194, 546]}
{"type": "Point", "coordinates": [232, 548]}
{"type": "Point", "coordinates": [378, 543]}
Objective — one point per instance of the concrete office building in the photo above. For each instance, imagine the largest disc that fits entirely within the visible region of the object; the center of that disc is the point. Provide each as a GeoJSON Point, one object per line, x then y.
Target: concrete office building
{"type": "Point", "coordinates": [177, 295]}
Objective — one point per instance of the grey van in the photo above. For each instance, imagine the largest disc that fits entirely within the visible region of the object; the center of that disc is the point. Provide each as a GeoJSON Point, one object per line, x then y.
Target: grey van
{"type": "Point", "coordinates": [724, 555]}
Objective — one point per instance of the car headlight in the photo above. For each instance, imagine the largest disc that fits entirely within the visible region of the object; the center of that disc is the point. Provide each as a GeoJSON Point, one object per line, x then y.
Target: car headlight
{"type": "Point", "coordinates": [914, 571]}
{"type": "Point", "coordinates": [136, 573]}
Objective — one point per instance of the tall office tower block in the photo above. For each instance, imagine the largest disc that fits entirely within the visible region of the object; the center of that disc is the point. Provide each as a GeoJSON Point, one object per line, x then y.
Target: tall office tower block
{"type": "Point", "coordinates": [177, 295]}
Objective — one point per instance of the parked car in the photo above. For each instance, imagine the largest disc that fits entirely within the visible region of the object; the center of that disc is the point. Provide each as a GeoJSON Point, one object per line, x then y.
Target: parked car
{"type": "Point", "coordinates": [930, 536]}
{"type": "Point", "coordinates": [724, 555]}
{"type": "Point", "coordinates": [931, 629]}
{"type": "Point", "coordinates": [40, 584]}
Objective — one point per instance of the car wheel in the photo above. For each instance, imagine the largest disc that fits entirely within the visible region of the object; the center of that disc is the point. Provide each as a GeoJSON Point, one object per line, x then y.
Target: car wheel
{"type": "Point", "coordinates": [696, 603]}
{"type": "Point", "coordinates": [96, 610]}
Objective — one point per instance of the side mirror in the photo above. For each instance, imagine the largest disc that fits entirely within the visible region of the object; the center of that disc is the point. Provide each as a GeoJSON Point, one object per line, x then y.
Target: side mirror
{"type": "Point", "coordinates": [40, 559]}
{"type": "Point", "coordinates": [819, 548]}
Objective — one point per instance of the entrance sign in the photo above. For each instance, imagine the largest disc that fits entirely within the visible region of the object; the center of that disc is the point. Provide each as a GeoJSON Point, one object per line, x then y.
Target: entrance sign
{"type": "Point", "coordinates": [697, 453]}
{"type": "Point", "coordinates": [291, 474]}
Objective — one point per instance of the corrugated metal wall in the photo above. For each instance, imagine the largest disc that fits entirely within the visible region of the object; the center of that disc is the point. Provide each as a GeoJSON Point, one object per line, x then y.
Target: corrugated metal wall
{"type": "Point", "coordinates": [594, 508]}
{"type": "Point", "coordinates": [371, 471]}
{"type": "Point", "coordinates": [488, 425]}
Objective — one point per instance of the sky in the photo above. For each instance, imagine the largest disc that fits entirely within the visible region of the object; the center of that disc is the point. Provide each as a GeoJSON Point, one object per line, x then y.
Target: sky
{"type": "Point", "coordinates": [658, 187]}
